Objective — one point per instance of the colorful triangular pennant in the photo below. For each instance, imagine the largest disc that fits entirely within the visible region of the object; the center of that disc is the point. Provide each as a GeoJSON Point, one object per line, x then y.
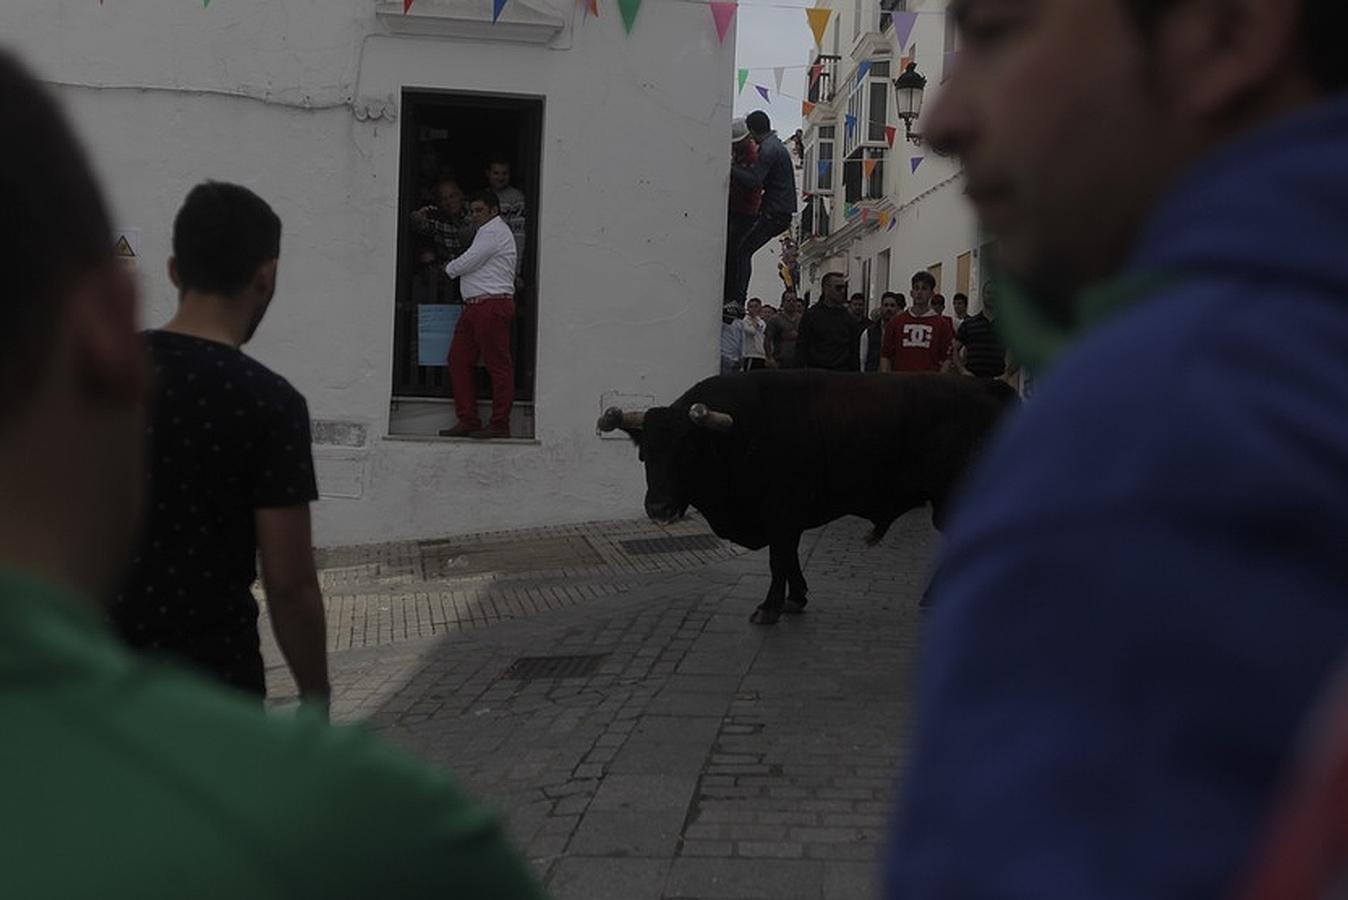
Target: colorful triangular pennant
{"type": "Point", "coordinates": [916, 161]}
{"type": "Point", "coordinates": [778, 74]}
{"type": "Point", "coordinates": [863, 70]}
{"type": "Point", "coordinates": [591, 7]}
{"type": "Point", "coordinates": [763, 91]}
{"type": "Point", "coordinates": [407, 4]}
{"type": "Point", "coordinates": [884, 219]}
{"type": "Point", "coordinates": [903, 27]}
{"type": "Point", "coordinates": [819, 19]}
{"type": "Point", "coordinates": [892, 223]}
{"type": "Point", "coordinates": [629, 10]}
{"type": "Point", "coordinates": [866, 214]}
{"type": "Point", "coordinates": [825, 170]}
{"type": "Point", "coordinates": [890, 131]}
{"type": "Point", "coordinates": [868, 166]}
{"type": "Point", "coordinates": [496, 7]}
{"type": "Point", "coordinates": [851, 122]}
{"type": "Point", "coordinates": [723, 13]}
{"type": "Point", "coordinates": [903, 63]}
{"type": "Point", "coordinates": [743, 76]}
{"type": "Point", "coordinates": [815, 71]}
{"type": "Point", "coordinates": [806, 107]}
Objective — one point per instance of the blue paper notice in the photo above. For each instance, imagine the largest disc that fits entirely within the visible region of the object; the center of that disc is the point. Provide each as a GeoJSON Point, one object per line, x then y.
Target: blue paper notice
{"type": "Point", "coordinates": [435, 328]}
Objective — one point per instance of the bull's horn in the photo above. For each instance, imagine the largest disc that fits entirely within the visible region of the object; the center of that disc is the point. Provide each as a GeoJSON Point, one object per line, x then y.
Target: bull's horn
{"type": "Point", "coordinates": [614, 418]}
{"type": "Point", "coordinates": [710, 419]}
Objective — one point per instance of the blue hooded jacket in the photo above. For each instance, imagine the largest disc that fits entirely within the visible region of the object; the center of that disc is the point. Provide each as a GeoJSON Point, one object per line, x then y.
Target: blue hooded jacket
{"type": "Point", "coordinates": [1145, 588]}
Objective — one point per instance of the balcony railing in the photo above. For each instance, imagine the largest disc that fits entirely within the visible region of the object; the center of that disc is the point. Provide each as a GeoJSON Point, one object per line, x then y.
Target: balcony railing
{"type": "Point", "coordinates": [823, 88]}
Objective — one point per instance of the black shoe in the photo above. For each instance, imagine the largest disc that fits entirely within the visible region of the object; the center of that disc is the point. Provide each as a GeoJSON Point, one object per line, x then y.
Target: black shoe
{"type": "Point", "coordinates": [459, 430]}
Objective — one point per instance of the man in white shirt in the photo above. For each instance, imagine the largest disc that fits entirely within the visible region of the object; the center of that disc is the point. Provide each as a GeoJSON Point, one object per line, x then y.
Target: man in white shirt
{"type": "Point", "coordinates": [513, 206]}
{"type": "Point", "coordinates": [487, 273]}
{"type": "Point", "coordinates": [755, 328]}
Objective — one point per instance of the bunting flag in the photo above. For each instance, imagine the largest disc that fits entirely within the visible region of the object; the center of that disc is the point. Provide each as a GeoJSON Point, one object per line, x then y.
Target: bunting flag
{"type": "Point", "coordinates": [407, 4]}
{"type": "Point", "coordinates": [723, 13]}
{"type": "Point", "coordinates": [779, 73]}
{"type": "Point", "coordinates": [848, 210]}
{"type": "Point", "coordinates": [629, 10]}
{"type": "Point", "coordinates": [869, 167]}
{"type": "Point", "coordinates": [903, 27]}
{"type": "Point", "coordinates": [890, 131]}
{"type": "Point", "coordinates": [743, 77]}
{"type": "Point", "coordinates": [825, 170]}
{"type": "Point", "coordinates": [496, 7]}
{"type": "Point", "coordinates": [764, 92]}
{"type": "Point", "coordinates": [917, 161]}
{"type": "Point", "coordinates": [866, 214]}
{"type": "Point", "coordinates": [884, 219]}
{"type": "Point", "coordinates": [851, 121]}
{"type": "Point", "coordinates": [819, 19]}
{"type": "Point", "coordinates": [591, 7]}
{"type": "Point", "coordinates": [892, 223]}
{"type": "Point", "coordinates": [806, 107]}
{"type": "Point", "coordinates": [815, 71]}
{"type": "Point", "coordinates": [863, 70]}
{"type": "Point", "coordinates": [903, 63]}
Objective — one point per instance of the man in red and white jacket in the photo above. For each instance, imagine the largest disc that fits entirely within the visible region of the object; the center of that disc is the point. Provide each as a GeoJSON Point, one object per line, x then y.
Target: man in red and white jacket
{"type": "Point", "coordinates": [487, 273]}
{"type": "Point", "coordinates": [918, 339]}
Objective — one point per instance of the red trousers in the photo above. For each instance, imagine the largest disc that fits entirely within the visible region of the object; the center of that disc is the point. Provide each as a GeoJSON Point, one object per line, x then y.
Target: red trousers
{"type": "Point", "coordinates": [483, 328]}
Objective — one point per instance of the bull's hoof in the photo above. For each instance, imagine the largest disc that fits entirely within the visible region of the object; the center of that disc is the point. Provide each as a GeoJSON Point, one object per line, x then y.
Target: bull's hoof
{"type": "Point", "coordinates": [795, 607]}
{"type": "Point", "coordinates": [763, 616]}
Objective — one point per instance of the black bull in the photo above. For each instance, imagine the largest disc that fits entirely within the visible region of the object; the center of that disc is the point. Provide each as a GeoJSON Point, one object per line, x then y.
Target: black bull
{"type": "Point", "coordinates": [767, 455]}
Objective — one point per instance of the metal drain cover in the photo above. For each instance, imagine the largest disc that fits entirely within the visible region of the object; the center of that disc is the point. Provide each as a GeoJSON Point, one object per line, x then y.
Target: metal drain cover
{"type": "Point", "coordinates": [530, 668]}
{"type": "Point", "coordinates": [651, 546]}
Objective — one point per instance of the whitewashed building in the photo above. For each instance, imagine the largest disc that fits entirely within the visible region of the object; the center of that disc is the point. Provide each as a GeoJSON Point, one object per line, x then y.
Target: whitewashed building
{"type": "Point", "coordinates": [880, 210]}
{"type": "Point", "coordinates": [341, 113]}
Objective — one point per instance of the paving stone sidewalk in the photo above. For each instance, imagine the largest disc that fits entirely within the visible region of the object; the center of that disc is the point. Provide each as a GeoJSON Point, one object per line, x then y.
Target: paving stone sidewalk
{"type": "Point", "coordinates": [688, 754]}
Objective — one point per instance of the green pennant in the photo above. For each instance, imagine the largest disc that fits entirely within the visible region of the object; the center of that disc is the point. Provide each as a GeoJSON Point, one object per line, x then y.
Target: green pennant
{"type": "Point", "coordinates": [629, 10]}
{"type": "Point", "coordinates": [743, 76]}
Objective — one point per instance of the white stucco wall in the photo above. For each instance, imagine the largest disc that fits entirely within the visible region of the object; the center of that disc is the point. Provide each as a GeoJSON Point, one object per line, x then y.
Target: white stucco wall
{"type": "Point", "coordinates": [631, 227]}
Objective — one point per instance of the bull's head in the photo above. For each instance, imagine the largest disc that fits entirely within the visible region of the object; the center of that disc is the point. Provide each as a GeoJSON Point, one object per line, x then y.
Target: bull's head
{"type": "Point", "coordinates": [674, 447]}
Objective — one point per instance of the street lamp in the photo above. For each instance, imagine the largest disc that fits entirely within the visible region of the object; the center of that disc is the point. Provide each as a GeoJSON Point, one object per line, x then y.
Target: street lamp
{"type": "Point", "coordinates": [908, 89]}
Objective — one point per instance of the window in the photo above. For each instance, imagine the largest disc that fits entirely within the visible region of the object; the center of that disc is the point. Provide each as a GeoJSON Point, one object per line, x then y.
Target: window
{"type": "Point", "coordinates": [819, 178]}
{"type": "Point", "coordinates": [964, 266]}
{"type": "Point", "coordinates": [814, 218]}
{"type": "Point", "coordinates": [867, 105]}
{"type": "Point", "coordinates": [887, 9]}
{"type": "Point", "coordinates": [450, 136]}
{"type": "Point", "coordinates": [855, 183]}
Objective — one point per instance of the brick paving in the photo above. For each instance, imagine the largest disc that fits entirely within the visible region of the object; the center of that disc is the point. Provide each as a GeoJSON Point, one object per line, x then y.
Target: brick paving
{"type": "Point", "coordinates": [703, 758]}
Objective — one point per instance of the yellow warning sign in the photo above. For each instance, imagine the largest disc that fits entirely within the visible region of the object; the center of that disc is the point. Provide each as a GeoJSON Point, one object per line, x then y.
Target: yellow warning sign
{"type": "Point", "coordinates": [123, 248]}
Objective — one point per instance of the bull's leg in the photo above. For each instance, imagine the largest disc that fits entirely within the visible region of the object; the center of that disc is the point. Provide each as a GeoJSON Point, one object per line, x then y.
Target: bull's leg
{"type": "Point", "coordinates": [798, 590]}
{"type": "Point", "coordinates": [770, 610]}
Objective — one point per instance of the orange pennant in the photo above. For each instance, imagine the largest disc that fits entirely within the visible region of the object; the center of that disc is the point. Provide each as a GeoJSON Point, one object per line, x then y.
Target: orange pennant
{"type": "Point", "coordinates": [819, 19]}
{"type": "Point", "coordinates": [869, 167]}
{"type": "Point", "coordinates": [806, 107]}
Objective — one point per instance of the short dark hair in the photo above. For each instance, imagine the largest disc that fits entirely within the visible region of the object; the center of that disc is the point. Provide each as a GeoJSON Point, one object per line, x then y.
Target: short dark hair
{"type": "Point", "coordinates": [1322, 29]}
{"type": "Point", "coordinates": [924, 277]}
{"type": "Point", "coordinates": [960, 296]}
{"type": "Point", "coordinates": [221, 235]}
{"type": "Point", "coordinates": [827, 275]}
{"type": "Point", "coordinates": [887, 294]}
{"type": "Point", "coordinates": [757, 300]}
{"type": "Point", "coordinates": [54, 228]}
{"type": "Point", "coordinates": [499, 159]}
{"type": "Point", "coordinates": [487, 197]}
{"type": "Point", "coordinates": [788, 294]}
{"type": "Point", "coordinates": [758, 122]}
{"type": "Point", "coordinates": [857, 296]}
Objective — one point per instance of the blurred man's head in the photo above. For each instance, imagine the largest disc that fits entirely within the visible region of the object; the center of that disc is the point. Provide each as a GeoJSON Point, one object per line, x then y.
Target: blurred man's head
{"type": "Point", "coordinates": [226, 243]}
{"type": "Point", "coordinates": [989, 298]}
{"type": "Point", "coordinates": [938, 303]}
{"type": "Point", "coordinates": [760, 126]}
{"type": "Point", "coordinates": [960, 304]}
{"type": "Point", "coordinates": [449, 197]}
{"type": "Point", "coordinates": [498, 174]}
{"type": "Point", "coordinates": [755, 306]}
{"type": "Point", "coordinates": [833, 289]}
{"type": "Point", "coordinates": [856, 305]}
{"type": "Point", "coordinates": [889, 306]}
{"type": "Point", "coordinates": [898, 298]}
{"type": "Point", "coordinates": [72, 370]}
{"type": "Point", "coordinates": [484, 207]}
{"type": "Point", "coordinates": [769, 313]}
{"type": "Point", "coordinates": [1072, 117]}
{"type": "Point", "coordinates": [923, 288]}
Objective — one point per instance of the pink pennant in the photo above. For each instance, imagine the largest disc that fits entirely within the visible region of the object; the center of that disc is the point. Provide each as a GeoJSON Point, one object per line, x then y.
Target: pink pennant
{"type": "Point", "coordinates": [724, 14]}
{"type": "Point", "coordinates": [407, 4]}
{"type": "Point", "coordinates": [890, 131]}
{"type": "Point", "coordinates": [815, 71]}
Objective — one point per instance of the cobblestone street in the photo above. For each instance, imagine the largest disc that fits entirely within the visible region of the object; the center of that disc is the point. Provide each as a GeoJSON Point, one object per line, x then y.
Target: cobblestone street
{"type": "Point", "coordinates": [675, 750]}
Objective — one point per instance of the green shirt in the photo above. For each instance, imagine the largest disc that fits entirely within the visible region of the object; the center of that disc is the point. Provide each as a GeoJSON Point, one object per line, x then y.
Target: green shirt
{"type": "Point", "coordinates": [120, 778]}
